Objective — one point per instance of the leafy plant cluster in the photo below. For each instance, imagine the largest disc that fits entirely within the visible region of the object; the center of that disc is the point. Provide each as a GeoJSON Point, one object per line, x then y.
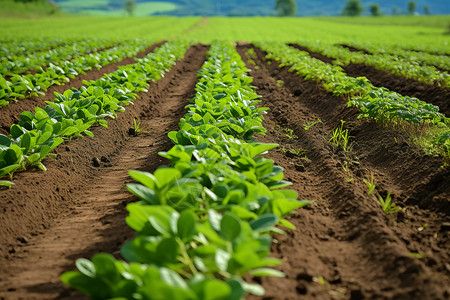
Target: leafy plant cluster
{"type": "Point", "coordinates": [204, 222]}
{"type": "Point", "coordinates": [15, 64]}
{"type": "Point", "coordinates": [76, 110]}
{"type": "Point", "coordinates": [440, 61]}
{"type": "Point", "coordinates": [20, 86]}
{"type": "Point", "coordinates": [10, 46]}
{"type": "Point", "coordinates": [375, 103]}
{"type": "Point", "coordinates": [385, 62]}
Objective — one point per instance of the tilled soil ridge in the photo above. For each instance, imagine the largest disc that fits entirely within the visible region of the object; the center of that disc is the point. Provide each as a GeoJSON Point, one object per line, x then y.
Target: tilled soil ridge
{"type": "Point", "coordinates": [345, 246]}
{"type": "Point", "coordinates": [77, 207]}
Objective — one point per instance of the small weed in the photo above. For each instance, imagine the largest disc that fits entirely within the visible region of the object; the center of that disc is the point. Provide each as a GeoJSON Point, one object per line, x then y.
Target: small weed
{"type": "Point", "coordinates": [417, 255]}
{"type": "Point", "coordinates": [370, 184]}
{"type": "Point", "coordinates": [349, 180]}
{"type": "Point", "coordinates": [251, 53]}
{"type": "Point", "coordinates": [340, 137]}
{"type": "Point", "coordinates": [298, 152]}
{"type": "Point", "coordinates": [388, 206]}
{"type": "Point", "coordinates": [290, 133]}
{"type": "Point", "coordinates": [327, 288]}
{"type": "Point", "coordinates": [280, 83]}
{"type": "Point", "coordinates": [307, 126]}
{"type": "Point", "coordinates": [137, 126]}
{"type": "Point", "coordinates": [421, 228]}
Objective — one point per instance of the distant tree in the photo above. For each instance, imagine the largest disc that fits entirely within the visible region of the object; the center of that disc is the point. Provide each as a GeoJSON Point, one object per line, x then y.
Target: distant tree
{"type": "Point", "coordinates": [375, 9]}
{"type": "Point", "coordinates": [411, 7]}
{"type": "Point", "coordinates": [286, 8]}
{"type": "Point", "coordinates": [130, 6]}
{"type": "Point", "coordinates": [353, 8]}
{"type": "Point", "coordinates": [426, 10]}
{"type": "Point", "coordinates": [394, 11]}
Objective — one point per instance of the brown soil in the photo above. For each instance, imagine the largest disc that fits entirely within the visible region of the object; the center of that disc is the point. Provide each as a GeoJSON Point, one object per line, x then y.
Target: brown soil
{"type": "Point", "coordinates": [408, 87]}
{"type": "Point", "coordinates": [77, 207]}
{"type": "Point", "coordinates": [10, 113]}
{"type": "Point", "coordinates": [345, 246]}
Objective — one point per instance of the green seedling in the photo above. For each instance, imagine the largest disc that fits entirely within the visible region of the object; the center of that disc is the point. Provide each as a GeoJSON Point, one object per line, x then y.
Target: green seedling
{"type": "Point", "coordinates": [307, 126]}
{"type": "Point", "coordinates": [280, 83]}
{"type": "Point", "coordinates": [417, 255]}
{"type": "Point", "coordinates": [298, 152]}
{"type": "Point", "coordinates": [289, 133]}
{"type": "Point", "coordinates": [388, 206]}
{"type": "Point", "coordinates": [421, 228]}
{"type": "Point", "coordinates": [137, 126]}
{"type": "Point", "coordinates": [370, 184]}
{"type": "Point", "coordinates": [349, 180]}
{"type": "Point", "coordinates": [340, 137]}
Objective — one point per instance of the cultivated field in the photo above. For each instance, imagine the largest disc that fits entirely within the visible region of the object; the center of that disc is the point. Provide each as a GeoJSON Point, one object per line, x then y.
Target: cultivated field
{"type": "Point", "coordinates": [224, 158]}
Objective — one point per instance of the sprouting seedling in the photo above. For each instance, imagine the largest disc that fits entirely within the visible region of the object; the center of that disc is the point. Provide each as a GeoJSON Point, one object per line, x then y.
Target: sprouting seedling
{"type": "Point", "coordinates": [137, 126]}
{"type": "Point", "coordinates": [340, 137]}
{"type": "Point", "coordinates": [290, 133]}
{"type": "Point", "coordinates": [308, 126]}
{"type": "Point", "coordinates": [298, 152]}
{"type": "Point", "coordinates": [388, 206]}
{"type": "Point", "coordinates": [417, 255]}
{"type": "Point", "coordinates": [370, 184]}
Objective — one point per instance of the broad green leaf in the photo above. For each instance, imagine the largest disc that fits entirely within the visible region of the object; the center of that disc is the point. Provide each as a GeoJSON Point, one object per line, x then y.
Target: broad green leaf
{"type": "Point", "coordinates": [267, 272]}
{"type": "Point", "coordinates": [145, 178]}
{"type": "Point", "coordinates": [264, 223]}
{"type": "Point", "coordinates": [186, 225]}
{"type": "Point", "coordinates": [168, 250]}
{"type": "Point", "coordinates": [230, 227]}
{"type": "Point", "coordinates": [221, 258]}
{"type": "Point", "coordinates": [105, 267]}
{"type": "Point", "coordinates": [144, 193]}
{"type": "Point", "coordinates": [5, 141]}
{"type": "Point", "coordinates": [86, 267]}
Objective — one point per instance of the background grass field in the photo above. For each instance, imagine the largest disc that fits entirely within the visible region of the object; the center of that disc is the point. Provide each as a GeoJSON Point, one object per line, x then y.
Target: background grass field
{"type": "Point", "coordinates": [428, 32]}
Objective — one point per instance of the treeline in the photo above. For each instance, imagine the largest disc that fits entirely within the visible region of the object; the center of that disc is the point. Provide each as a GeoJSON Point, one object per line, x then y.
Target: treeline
{"type": "Point", "coordinates": [356, 8]}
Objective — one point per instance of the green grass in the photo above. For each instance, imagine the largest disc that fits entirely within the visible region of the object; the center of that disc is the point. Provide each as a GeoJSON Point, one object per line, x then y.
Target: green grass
{"type": "Point", "coordinates": [329, 30]}
{"type": "Point", "coordinates": [12, 9]}
{"type": "Point", "coordinates": [96, 8]}
{"type": "Point", "coordinates": [157, 28]}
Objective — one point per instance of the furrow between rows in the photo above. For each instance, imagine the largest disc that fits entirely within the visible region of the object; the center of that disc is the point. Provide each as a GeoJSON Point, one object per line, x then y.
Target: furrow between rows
{"type": "Point", "coordinates": [370, 251]}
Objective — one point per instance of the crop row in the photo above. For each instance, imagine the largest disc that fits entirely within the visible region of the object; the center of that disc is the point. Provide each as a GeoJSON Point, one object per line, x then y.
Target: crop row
{"type": "Point", "coordinates": [10, 46]}
{"type": "Point", "coordinates": [383, 62]}
{"type": "Point", "coordinates": [20, 86]}
{"type": "Point", "coordinates": [440, 61]}
{"type": "Point", "coordinates": [376, 103]}
{"type": "Point", "coordinates": [20, 64]}
{"type": "Point", "coordinates": [204, 222]}
{"type": "Point", "coordinates": [76, 110]}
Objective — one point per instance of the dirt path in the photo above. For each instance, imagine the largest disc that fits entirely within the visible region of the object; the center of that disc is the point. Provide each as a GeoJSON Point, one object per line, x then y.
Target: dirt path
{"type": "Point", "coordinates": [345, 247]}
{"type": "Point", "coordinates": [10, 113]}
{"type": "Point", "coordinates": [408, 87]}
{"type": "Point", "coordinates": [91, 217]}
